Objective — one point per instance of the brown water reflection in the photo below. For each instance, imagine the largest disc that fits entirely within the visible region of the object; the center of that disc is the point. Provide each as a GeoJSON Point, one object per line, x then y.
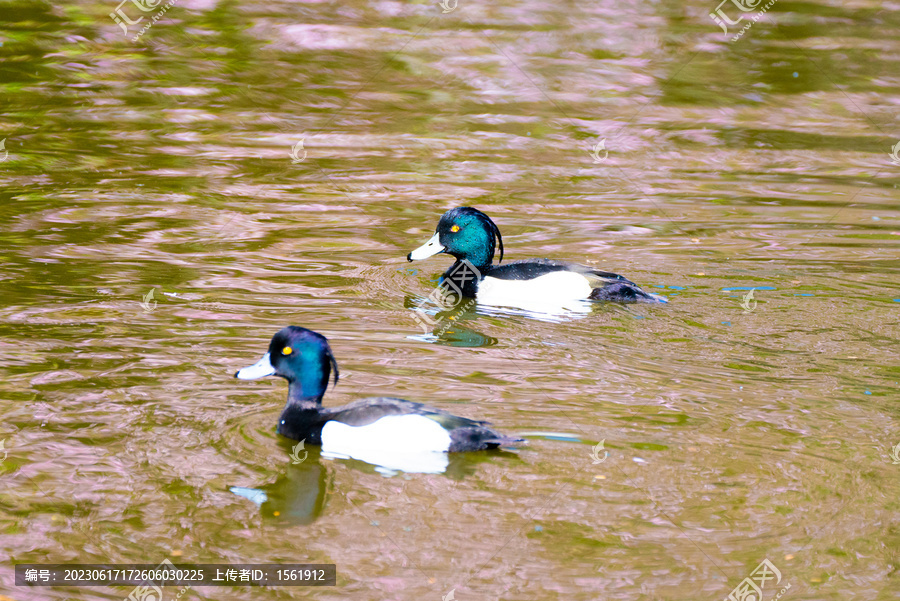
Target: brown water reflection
{"type": "Point", "coordinates": [733, 436]}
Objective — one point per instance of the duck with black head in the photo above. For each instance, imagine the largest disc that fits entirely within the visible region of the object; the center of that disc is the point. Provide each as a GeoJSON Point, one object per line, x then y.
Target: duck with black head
{"type": "Point", "coordinates": [472, 238]}
{"type": "Point", "coordinates": [376, 430]}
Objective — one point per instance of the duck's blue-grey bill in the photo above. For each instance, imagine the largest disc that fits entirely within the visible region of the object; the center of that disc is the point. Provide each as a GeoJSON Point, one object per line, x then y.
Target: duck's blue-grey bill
{"type": "Point", "coordinates": [260, 369]}
{"type": "Point", "coordinates": [429, 249]}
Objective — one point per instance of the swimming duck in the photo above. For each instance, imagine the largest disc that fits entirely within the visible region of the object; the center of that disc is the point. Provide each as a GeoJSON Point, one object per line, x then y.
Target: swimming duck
{"type": "Point", "coordinates": [472, 237]}
{"type": "Point", "coordinates": [380, 424]}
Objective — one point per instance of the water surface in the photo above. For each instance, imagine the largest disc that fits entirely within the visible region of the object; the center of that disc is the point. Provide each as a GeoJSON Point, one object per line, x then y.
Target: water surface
{"type": "Point", "coordinates": [735, 430]}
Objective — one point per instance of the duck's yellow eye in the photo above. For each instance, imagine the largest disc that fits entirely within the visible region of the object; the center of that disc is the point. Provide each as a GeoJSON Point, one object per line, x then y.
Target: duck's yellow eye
{"type": "Point", "coordinates": [454, 229]}
{"type": "Point", "coordinates": [287, 350]}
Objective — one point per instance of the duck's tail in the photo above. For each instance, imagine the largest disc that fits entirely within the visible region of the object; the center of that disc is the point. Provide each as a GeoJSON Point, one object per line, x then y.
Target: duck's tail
{"type": "Point", "coordinates": [621, 292]}
{"type": "Point", "coordinates": [503, 441]}
{"type": "Point", "coordinates": [479, 438]}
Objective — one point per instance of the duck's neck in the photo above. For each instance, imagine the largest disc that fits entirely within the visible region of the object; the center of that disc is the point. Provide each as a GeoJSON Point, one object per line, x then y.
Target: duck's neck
{"type": "Point", "coordinates": [305, 391]}
{"type": "Point", "coordinates": [298, 418]}
{"type": "Point", "coordinates": [303, 396]}
{"type": "Point", "coordinates": [465, 275]}
{"type": "Point", "coordinates": [311, 382]}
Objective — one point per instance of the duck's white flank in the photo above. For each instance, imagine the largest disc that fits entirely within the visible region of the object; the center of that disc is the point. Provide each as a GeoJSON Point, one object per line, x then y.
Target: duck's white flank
{"type": "Point", "coordinates": [554, 287]}
{"type": "Point", "coordinates": [405, 433]}
{"type": "Point", "coordinates": [408, 443]}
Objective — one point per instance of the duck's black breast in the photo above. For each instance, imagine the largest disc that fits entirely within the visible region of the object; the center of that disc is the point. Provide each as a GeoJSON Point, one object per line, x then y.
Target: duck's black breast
{"type": "Point", "coordinates": [302, 424]}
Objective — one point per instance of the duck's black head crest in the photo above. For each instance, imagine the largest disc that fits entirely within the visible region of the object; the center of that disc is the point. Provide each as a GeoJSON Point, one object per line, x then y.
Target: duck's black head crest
{"type": "Point", "coordinates": [333, 364]}
{"type": "Point", "coordinates": [496, 232]}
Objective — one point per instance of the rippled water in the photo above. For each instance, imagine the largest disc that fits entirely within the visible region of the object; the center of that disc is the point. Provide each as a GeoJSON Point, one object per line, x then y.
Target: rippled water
{"type": "Point", "coordinates": [736, 429]}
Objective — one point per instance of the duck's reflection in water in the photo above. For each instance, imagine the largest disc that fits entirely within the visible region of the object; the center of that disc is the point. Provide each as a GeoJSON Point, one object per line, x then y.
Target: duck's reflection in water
{"type": "Point", "coordinates": [446, 326]}
{"type": "Point", "coordinates": [300, 495]}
